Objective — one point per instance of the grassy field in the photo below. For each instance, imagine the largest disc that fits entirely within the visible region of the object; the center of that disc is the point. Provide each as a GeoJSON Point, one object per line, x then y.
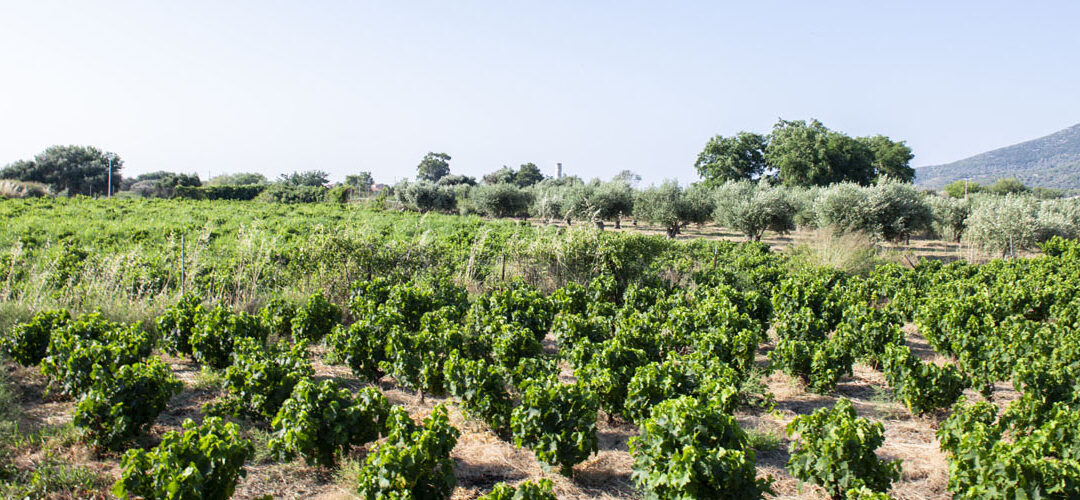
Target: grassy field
{"type": "Point", "coordinates": [132, 259]}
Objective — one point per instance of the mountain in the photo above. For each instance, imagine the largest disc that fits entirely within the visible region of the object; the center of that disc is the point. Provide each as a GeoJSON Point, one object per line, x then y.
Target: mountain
{"type": "Point", "coordinates": [1052, 161]}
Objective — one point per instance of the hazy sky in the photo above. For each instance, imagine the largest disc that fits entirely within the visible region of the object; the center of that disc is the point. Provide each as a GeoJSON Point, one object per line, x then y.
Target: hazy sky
{"type": "Point", "coordinates": [272, 86]}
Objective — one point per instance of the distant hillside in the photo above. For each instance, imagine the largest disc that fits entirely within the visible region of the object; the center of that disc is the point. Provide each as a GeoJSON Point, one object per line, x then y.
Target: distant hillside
{"type": "Point", "coordinates": [1052, 161]}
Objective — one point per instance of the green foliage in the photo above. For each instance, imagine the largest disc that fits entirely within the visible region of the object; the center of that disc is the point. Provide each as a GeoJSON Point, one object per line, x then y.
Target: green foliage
{"type": "Point", "coordinates": [609, 371]}
{"type": "Point", "coordinates": [724, 159]}
{"type": "Point", "coordinates": [244, 192]}
{"type": "Point", "coordinates": [261, 378]}
{"type": "Point", "coordinates": [121, 405]}
{"type": "Point", "coordinates": [322, 420]}
{"type": "Point", "coordinates": [433, 167]}
{"type": "Point", "coordinates": [216, 333]}
{"type": "Point", "coordinates": [69, 169]}
{"type": "Point", "coordinates": [88, 343]}
{"type": "Point", "coordinates": [277, 316]}
{"type": "Point", "coordinates": [557, 422]}
{"type": "Point", "coordinates": [705, 378]}
{"type": "Point", "coordinates": [205, 461]}
{"type": "Point", "coordinates": [481, 389]}
{"type": "Point", "coordinates": [527, 490]}
{"type": "Point", "coordinates": [289, 193]}
{"type": "Point", "coordinates": [28, 343]}
{"type": "Point", "coordinates": [950, 216]}
{"type": "Point", "coordinates": [500, 200]}
{"type": "Point", "coordinates": [820, 364]}
{"type": "Point", "coordinates": [315, 318]}
{"type": "Point", "coordinates": [414, 462]}
{"type": "Point", "coordinates": [835, 450]}
{"type": "Point", "coordinates": [1003, 224]}
{"type": "Point", "coordinates": [751, 209]}
{"type": "Point", "coordinates": [689, 450]}
{"type": "Point", "coordinates": [177, 323]}
{"type": "Point", "coordinates": [673, 207]}
{"type": "Point", "coordinates": [519, 304]}
{"type": "Point", "coordinates": [922, 386]}
{"type": "Point", "coordinates": [360, 346]}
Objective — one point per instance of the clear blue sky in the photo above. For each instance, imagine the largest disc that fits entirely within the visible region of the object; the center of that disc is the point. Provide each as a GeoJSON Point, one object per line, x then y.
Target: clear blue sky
{"type": "Point", "coordinates": [273, 86]}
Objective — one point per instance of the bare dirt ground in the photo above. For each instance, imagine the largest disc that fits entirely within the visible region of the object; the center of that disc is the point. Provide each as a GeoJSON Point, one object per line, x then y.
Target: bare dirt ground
{"type": "Point", "coordinates": [482, 459]}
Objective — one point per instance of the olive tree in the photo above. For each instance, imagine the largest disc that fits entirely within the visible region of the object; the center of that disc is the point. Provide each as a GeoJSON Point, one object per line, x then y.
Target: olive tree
{"type": "Point", "coordinates": [1003, 224]}
{"type": "Point", "coordinates": [500, 200]}
{"type": "Point", "coordinates": [674, 207]}
{"type": "Point", "coordinates": [896, 210]}
{"type": "Point", "coordinates": [753, 208]}
{"type": "Point", "coordinates": [950, 215]}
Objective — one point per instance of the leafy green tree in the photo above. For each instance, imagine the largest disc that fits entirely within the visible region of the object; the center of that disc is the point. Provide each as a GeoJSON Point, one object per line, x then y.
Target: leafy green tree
{"type": "Point", "coordinates": [504, 175]}
{"type": "Point", "coordinates": [425, 196]}
{"type": "Point", "coordinates": [849, 159]}
{"type": "Point", "coordinates": [161, 184]}
{"type": "Point", "coordinates": [950, 215]}
{"type": "Point", "coordinates": [628, 176]}
{"type": "Point", "coordinates": [1007, 185]}
{"type": "Point", "coordinates": [1003, 224]}
{"type": "Point", "coordinates": [892, 159]}
{"type": "Point", "coordinates": [800, 152]}
{"type": "Point", "coordinates": [238, 179]}
{"type": "Point", "coordinates": [362, 181]}
{"type": "Point", "coordinates": [740, 157]}
{"type": "Point", "coordinates": [433, 167]}
{"type": "Point", "coordinates": [673, 207]}
{"type": "Point", "coordinates": [70, 169]}
{"type": "Point", "coordinates": [501, 200]}
{"type": "Point", "coordinates": [961, 189]}
{"type": "Point", "coordinates": [528, 174]}
{"type": "Point", "coordinates": [752, 209]}
{"type": "Point", "coordinates": [457, 180]}
{"type": "Point", "coordinates": [308, 178]}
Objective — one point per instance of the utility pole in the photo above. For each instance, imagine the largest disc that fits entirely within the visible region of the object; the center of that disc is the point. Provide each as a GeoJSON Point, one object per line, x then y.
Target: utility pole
{"type": "Point", "coordinates": [109, 189]}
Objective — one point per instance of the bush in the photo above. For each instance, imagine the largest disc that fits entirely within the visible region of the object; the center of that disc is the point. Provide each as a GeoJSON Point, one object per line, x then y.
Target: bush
{"type": "Point", "coordinates": [690, 450]}
{"type": "Point", "coordinates": [315, 318]}
{"type": "Point", "coordinates": [120, 406]}
{"type": "Point", "coordinates": [950, 216]}
{"type": "Point", "coordinates": [87, 343]}
{"type": "Point", "coordinates": [835, 450]}
{"type": "Point", "coordinates": [261, 378]}
{"type": "Point", "coordinates": [528, 490]}
{"type": "Point", "coordinates": [360, 346]}
{"type": "Point", "coordinates": [752, 208]}
{"type": "Point", "coordinates": [609, 372]}
{"type": "Point", "coordinates": [500, 200]}
{"type": "Point", "coordinates": [205, 462]}
{"type": "Point", "coordinates": [844, 207]}
{"type": "Point", "coordinates": [923, 387]}
{"type": "Point", "coordinates": [283, 193]}
{"type": "Point", "coordinates": [425, 196]}
{"type": "Point", "coordinates": [245, 192]}
{"type": "Point", "coordinates": [216, 333]}
{"type": "Point", "coordinates": [520, 305]}
{"type": "Point", "coordinates": [28, 343]}
{"type": "Point", "coordinates": [557, 422]}
{"type": "Point", "coordinates": [1003, 224]}
{"type": "Point", "coordinates": [481, 389]}
{"type": "Point", "coordinates": [277, 316]}
{"type": "Point", "coordinates": [414, 462]}
{"type": "Point", "coordinates": [321, 420]}
{"type": "Point", "coordinates": [177, 323]}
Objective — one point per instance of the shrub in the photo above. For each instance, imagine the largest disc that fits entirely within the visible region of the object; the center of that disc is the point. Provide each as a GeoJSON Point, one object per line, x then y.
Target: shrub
{"type": "Point", "coordinates": [260, 378]}
{"type": "Point", "coordinates": [27, 343]}
{"type": "Point", "coordinates": [609, 372]}
{"type": "Point", "coordinates": [86, 343]}
{"type": "Point", "coordinates": [315, 318]}
{"type": "Point", "coordinates": [949, 216]}
{"type": "Point", "coordinates": [481, 389]}
{"type": "Point", "coordinates": [819, 364]}
{"type": "Point", "coordinates": [690, 450]}
{"type": "Point", "coordinates": [177, 323]}
{"type": "Point", "coordinates": [923, 387]}
{"type": "Point", "coordinates": [897, 210]}
{"type": "Point", "coordinates": [120, 406]}
{"type": "Point", "coordinates": [360, 346]}
{"type": "Point", "coordinates": [205, 461]}
{"type": "Point", "coordinates": [425, 196]}
{"type": "Point", "coordinates": [414, 462]}
{"type": "Point", "coordinates": [557, 422]}
{"type": "Point", "coordinates": [1003, 224]}
{"type": "Point", "coordinates": [519, 305]}
{"type": "Point", "coordinates": [500, 200]}
{"type": "Point", "coordinates": [752, 208]}
{"type": "Point", "coordinates": [213, 339]}
{"type": "Point", "coordinates": [528, 490]}
{"type": "Point", "coordinates": [835, 450]}
{"type": "Point", "coordinates": [321, 420]}
{"type": "Point", "coordinates": [277, 316]}
{"type": "Point", "coordinates": [697, 375]}
{"type": "Point", "coordinates": [845, 208]}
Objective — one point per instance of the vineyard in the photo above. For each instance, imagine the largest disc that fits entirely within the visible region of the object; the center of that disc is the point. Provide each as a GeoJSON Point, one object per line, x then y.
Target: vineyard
{"type": "Point", "coordinates": [216, 349]}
